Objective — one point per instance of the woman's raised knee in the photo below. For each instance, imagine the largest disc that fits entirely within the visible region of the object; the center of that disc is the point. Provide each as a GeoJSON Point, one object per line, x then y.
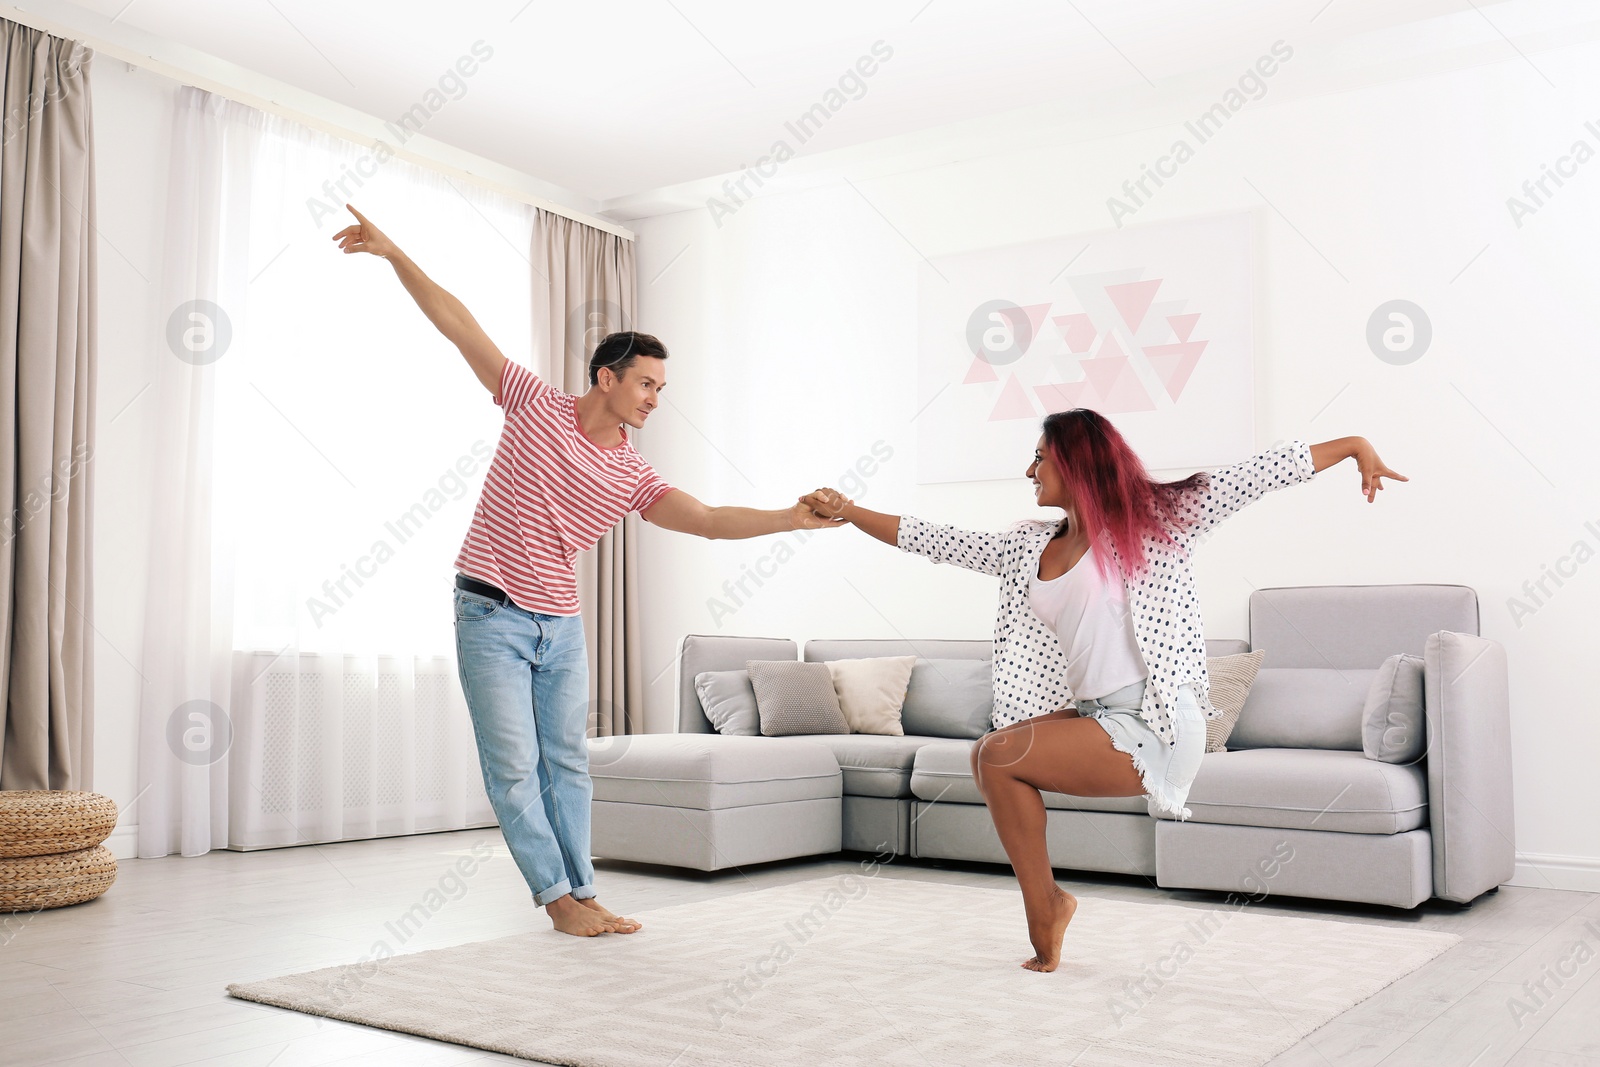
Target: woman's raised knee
{"type": "Point", "coordinates": [998, 752]}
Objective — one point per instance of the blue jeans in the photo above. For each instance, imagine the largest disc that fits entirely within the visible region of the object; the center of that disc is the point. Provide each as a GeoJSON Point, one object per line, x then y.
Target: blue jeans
{"type": "Point", "coordinates": [526, 680]}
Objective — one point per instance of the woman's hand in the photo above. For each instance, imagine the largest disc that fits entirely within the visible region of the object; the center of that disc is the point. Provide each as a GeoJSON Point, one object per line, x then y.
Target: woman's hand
{"type": "Point", "coordinates": [827, 503]}
{"type": "Point", "coordinates": [804, 517]}
{"type": "Point", "coordinates": [364, 237]}
{"type": "Point", "coordinates": [833, 507]}
{"type": "Point", "coordinates": [1373, 471]}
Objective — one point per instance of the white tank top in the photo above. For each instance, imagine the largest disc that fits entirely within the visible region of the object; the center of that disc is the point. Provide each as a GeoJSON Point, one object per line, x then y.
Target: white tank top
{"type": "Point", "coordinates": [1090, 617]}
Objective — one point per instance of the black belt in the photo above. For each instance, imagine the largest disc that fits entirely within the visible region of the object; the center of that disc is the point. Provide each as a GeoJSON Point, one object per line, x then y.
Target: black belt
{"type": "Point", "coordinates": [484, 589]}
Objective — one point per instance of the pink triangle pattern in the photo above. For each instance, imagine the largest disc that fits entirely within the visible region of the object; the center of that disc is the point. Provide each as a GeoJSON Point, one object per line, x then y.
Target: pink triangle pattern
{"type": "Point", "coordinates": [1031, 318]}
{"type": "Point", "coordinates": [980, 371]}
{"type": "Point", "coordinates": [1110, 348]}
{"type": "Point", "coordinates": [1183, 325]}
{"type": "Point", "coordinates": [1174, 364]}
{"type": "Point", "coordinates": [1013, 403]}
{"type": "Point", "coordinates": [1132, 300]}
{"type": "Point", "coordinates": [1117, 386]}
{"type": "Point", "coordinates": [1078, 330]}
{"type": "Point", "coordinates": [1102, 373]}
{"type": "Point", "coordinates": [1060, 396]}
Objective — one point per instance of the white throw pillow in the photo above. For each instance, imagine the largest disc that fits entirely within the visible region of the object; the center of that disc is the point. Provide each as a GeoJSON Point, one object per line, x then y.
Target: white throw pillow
{"type": "Point", "coordinates": [872, 691]}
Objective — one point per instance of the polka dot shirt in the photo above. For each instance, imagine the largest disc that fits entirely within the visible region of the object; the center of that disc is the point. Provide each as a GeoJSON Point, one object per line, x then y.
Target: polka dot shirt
{"type": "Point", "coordinates": [1029, 664]}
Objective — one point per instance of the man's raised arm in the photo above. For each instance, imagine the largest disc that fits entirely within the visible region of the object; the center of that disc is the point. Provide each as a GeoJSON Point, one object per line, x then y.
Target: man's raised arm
{"type": "Point", "coordinates": [443, 310]}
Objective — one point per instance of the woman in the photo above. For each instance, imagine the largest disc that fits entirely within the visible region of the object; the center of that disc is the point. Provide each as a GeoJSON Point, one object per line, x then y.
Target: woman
{"type": "Point", "coordinates": [1098, 609]}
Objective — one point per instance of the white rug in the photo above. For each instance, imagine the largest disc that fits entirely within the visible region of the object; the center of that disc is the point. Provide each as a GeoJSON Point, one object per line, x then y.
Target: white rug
{"type": "Point", "coordinates": [861, 970]}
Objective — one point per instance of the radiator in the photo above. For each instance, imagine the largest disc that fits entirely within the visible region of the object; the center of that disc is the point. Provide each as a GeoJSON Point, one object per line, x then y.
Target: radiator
{"type": "Point", "coordinates": [330, 747]}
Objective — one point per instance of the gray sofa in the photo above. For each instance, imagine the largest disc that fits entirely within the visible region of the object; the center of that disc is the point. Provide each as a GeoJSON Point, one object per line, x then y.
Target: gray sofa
{"type": "Point", "coordinates": [1293, 808]}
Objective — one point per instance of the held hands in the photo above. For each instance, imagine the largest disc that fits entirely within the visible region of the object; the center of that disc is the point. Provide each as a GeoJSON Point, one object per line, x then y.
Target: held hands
{"type": "Point", "coordinates": [804, 516]}
{"type": "Point", "coordinates": [1373, 470]}
{"type": "Point", "coordinates": [827, 504]}
{"type": "Point", "coordinates": [364, 237]}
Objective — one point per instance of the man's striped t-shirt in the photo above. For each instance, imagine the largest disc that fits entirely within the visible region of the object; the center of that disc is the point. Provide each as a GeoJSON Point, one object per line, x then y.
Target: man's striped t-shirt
{"type": "Point", "coordinates": [550, 493]}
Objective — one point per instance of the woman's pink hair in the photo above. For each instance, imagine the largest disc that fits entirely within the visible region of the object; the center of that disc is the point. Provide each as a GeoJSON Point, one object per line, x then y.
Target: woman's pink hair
{"type": "Point", "coordinates": [1110, 489]}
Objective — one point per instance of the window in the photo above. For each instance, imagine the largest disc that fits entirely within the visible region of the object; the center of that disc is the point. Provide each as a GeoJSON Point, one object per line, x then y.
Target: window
{"type": "Point", "coordinates": [351, 437]}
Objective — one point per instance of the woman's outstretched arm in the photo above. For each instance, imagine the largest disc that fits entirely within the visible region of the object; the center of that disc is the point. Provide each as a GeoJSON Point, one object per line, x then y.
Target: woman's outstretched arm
{"type": "Point", "coordinates": [1225, 491]}
{"type": "Point", "coordinates": [831, 504]}
{"type": "Point", "coordinates": [976, 550]}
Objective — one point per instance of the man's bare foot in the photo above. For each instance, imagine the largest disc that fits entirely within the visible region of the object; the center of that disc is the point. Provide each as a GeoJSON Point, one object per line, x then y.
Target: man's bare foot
{"type": "Point", "coordinates": [624, 926]}
{"type": "Point", "coordinates": [571, 917]}
{"type": "Point", "coordinates": [1047, 930]}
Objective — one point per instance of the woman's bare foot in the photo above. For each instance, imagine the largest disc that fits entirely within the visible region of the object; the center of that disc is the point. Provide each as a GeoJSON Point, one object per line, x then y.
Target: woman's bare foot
{"type": "Point", "coordinates": [1047, 930]}
{"type": "Point", "coordinates": [571, 917]}
{"type": "Point", "coordinates": [624, 926]}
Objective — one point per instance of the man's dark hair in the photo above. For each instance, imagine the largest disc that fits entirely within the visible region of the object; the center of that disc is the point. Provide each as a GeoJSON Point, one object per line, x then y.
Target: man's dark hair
{"type": "Point", "coordinates": [619, 350]}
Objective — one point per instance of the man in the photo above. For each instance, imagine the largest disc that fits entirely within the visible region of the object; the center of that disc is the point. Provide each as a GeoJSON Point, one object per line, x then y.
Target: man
{"type": "Point", "coordinates": [563, 474]}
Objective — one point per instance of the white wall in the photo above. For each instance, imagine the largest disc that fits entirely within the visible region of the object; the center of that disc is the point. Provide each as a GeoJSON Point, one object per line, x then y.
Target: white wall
{"type": "Point", "coordinates": [133, 113]}
{"type": "Point", "coordinates": [793, 324]}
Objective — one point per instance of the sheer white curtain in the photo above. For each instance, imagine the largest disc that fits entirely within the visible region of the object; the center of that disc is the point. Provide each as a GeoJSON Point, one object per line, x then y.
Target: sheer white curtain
{"type": "Point", "coordinates": [325, 447]}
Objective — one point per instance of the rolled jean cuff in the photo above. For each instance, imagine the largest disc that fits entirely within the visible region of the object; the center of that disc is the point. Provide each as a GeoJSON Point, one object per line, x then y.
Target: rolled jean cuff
{"type": "Point", "coordinates": [555, 892]}
{"type": "Point", "coordinates": [583, 892]}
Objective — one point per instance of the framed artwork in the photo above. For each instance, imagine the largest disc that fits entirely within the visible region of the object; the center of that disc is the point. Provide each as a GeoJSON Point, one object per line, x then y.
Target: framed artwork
{"type": "Point", "coordinates": [1151, 326]}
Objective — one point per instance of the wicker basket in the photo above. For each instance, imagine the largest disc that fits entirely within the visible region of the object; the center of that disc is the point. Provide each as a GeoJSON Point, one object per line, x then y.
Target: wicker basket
{"type": "Point", "coordinates": [46, 822]}
{"type": "Point", "coordinates": [29, 883]}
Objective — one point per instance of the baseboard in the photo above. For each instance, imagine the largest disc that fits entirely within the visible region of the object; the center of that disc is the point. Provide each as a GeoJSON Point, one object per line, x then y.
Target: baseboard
{"type": "Point", "coordinates": [124, 842]}
{"type": "Point", "coordinates": [1536, 870]}
{"type": "Point", "coordinates": [1545, 870]}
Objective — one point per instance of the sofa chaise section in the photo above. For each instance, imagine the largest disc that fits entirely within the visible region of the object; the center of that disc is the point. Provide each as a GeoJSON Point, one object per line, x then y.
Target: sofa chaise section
{"type": "Point", "coordinates": [711, 802]}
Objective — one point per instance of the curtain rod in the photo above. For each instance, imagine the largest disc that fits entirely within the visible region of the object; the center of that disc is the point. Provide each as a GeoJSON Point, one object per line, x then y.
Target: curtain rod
{"type": "Point", "coordinates": [188, 66]}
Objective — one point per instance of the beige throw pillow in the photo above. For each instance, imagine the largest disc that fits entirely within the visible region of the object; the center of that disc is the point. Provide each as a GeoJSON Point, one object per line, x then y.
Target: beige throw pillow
{"type": "Point", "coordinates": [872, 692]}
{"type": "Point", "coordinates": [1231, 678]}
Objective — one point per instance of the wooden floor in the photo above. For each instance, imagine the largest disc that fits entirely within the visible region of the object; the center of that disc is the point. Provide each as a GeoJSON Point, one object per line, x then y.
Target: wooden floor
{"type": "Point", "coordinates": [136, 977]}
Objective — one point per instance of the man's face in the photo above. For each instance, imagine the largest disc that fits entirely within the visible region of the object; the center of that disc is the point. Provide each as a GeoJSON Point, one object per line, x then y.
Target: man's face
{"type": "Point", "coordinates": [635, 395]}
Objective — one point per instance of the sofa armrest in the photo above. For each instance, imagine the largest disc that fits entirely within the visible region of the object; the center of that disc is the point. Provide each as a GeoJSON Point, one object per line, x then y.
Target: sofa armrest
{"type": "Point", "coordinates": [1468, 705]}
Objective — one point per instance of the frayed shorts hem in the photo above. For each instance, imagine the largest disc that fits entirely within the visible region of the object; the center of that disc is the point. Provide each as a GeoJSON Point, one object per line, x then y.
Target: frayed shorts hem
{"type": "Point", "coordinates": [1166, 771]}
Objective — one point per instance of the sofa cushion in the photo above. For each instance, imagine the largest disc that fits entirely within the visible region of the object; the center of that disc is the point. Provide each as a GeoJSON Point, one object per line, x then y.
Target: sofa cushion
{"type": "Point", "coordinates": [942, 774]}
{"type": "Point", "coordinates": [949, 698]}
{"type": "Point", "coordinates": [729, 702]}
{"type": "Point", "coordinates": [1231, 677]}
{"type": "Point", "coordinates": [700, 652]}
{"type": "Point", "coordinates": [710, 771]}
{"type": "Point", "coordinates": [1393, 726]}
{"type": "Point", "coordinates": [871, 692]}
{"type": "Point", "coordinates": [1303, 707]}
{"type": "Point", "coordinates": [795, 698]}
{"type": "Point", "coordinates": [1308, 789]}
{"type": "Point", "coordinates": [1338, 626]}
{"type": "Point", "coordinates": [874, 765]}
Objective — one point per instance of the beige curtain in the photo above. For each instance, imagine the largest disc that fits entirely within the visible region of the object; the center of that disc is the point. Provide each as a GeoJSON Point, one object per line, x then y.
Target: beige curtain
{"type": "Point", "coordinates": [584, 288]}
{"type": "Point", "coordinates": [47, 397]}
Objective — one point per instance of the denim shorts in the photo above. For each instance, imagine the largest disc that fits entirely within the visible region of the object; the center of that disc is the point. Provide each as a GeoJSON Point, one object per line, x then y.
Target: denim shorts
{"type": "Point", "coordinates": [1167, 770]}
